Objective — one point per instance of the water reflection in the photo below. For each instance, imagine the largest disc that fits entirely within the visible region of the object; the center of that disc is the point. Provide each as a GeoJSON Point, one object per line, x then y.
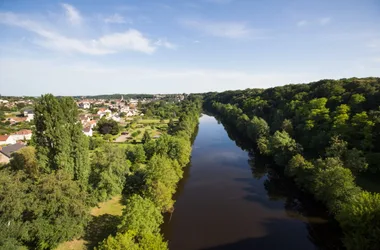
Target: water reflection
{"type": "Point", "coordinates": [232, 198]}
{"type": "Point", "coordinates": [323, 230]}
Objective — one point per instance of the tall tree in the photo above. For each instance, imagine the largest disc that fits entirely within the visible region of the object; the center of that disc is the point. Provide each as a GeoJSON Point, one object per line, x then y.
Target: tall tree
{"type": "Point", "coordinates": [58, 137]}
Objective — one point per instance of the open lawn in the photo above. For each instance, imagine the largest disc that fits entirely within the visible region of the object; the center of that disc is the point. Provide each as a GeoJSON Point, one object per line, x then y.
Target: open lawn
{"type": "Point", "coordinates": [105, 218]}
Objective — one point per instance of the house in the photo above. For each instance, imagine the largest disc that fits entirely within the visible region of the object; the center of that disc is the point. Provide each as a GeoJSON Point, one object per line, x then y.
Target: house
{"type": "Point", "coordinates": [29, 114]}
{"type": "Point", "coordinates": [6, 152]}
{"type": "Point", "coordinates": [104, 112]}
{"type": "Point", "coordinates": [84, 105]}
{"type": "Point", "coordinates": [84, 119]}
{"type": "Point", "coordinates": [7, 139]}
{"type": "Point", "coordinates": [92, 123]}
{"type": "Point", "coordinates": [87, 131]}
{"type": "Point", "coordinates": [116, 118]}
{"type": "Point", "coordinates": [24, 134]}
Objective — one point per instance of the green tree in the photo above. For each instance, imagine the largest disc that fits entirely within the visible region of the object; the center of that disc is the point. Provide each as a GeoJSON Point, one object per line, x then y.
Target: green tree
{"type": "Point", "coordinates": [146, 137]}
{"type": "Point", "coordinates": [40, 214]}
{"type": "Point", "coordinates": [141, 215]}
{"type": "Point", "coordinates": [109, 170]}
{"type": "Point", "coordinates": [105, 126]}
{"type": "Point", "coordinates": [58, 138]}
{"type": "Point", "coordinates": [360, 222]}
{"type": "Point", "coordinates": [257, 128]}
{"type": "Point", "coordinates": [25, 159]}
{"type": "Point", "coordinates": [136, 153]}
{"type": "Point", "coordinates": [283, 147]}
{"type": "Point", "coordinates": [334, 186]}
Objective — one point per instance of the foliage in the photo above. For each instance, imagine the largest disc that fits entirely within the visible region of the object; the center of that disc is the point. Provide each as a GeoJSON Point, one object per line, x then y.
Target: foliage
{"type": "Point", "coordinates": [40, 214]}
{"type": "Point", "coordinates": [360, 222]}
{"type": "Point", "coordinates": [109, 170]}
{"type": "Point", "coordinates": [58, 138]}
{"type": "Point", "coordinates": [25, 159]}
{"type": "Point", "coordinates": [146, 137]}
{"type": "Point", "coordinates": [105, 126]}
{"type": "Point", "coordinates": [141, 215]}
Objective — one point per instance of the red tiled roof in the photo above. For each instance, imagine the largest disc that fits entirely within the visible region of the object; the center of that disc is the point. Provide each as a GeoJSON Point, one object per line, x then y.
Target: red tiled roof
{"type": "Point", "coordinates": [23, 132]}
{"type": "Point", "coordinates": [4, 137]}
{"type": "Point", "coordinates": [87, 129]}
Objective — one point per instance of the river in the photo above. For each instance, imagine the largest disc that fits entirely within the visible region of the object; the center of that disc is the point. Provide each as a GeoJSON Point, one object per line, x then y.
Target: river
{"type": "Point", "coordinates": [229, 199]}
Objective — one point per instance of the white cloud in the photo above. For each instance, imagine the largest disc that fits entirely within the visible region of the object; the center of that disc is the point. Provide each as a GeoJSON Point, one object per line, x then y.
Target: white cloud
{"type": "Point", "coordinates": [233, 30]}
{"type": "Point", "coordinates": [324, 20]}
{"type": "Point", "coordinates": [72, 78]}
{"type": "Point", "coordinates": [129, 40]}
{"type": "Point", "coordinates": [116, 18]}
{"type": "Point", "coordinates": [302, 23]}
{"type": "Point", "coordinates": [72, 14]}
{"type": "Point", "coordinates": [108, 44]}
{"type": "Point", "coordinates": [321, 21]}
{"type": "Point", "coordinates": [164, 43]}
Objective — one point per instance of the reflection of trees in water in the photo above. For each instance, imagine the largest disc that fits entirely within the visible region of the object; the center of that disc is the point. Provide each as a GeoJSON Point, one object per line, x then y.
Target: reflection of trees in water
{"type": "Point", "coordinates": [323, 230]}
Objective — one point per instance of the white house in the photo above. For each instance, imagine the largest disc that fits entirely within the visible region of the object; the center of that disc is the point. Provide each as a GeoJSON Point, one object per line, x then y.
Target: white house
{"type": "Point", "coordinates": [7, 139]}
{"type": "Point", "coordinates": [84, 105]}
{"type": "Point", "coordinates": [116, 118]}
{"type": "Point", "coordinates": [87, 131]}
{"type": "Point", "coordinates": [24, 134]}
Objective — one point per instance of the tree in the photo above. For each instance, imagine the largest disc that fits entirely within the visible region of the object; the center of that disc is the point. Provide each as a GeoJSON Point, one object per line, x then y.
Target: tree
{"type": "Point", "coordinates": [25, 159]}
{"type": "Point", "coordinates": [105, 126]}
{"type": "Point", "coordinates": [334, 186]}
{"type": "Point", "coordinates": [58, 138]}
{"type": "Point", "coordinates": [257, 128]}
{"type": "Point", "coordinates": [360, 222]}
{"type": "Point", "coordinates": [109, 170]}
{"type": "Point", "coordinates": [146, 137]}
{"type": "Point", "coordinates": [40, 214]}
{"type": "Point", "coordinates": [132, 241]}
{"type": "Point", "coordinates": [136, 153]}
{"type": "Point", "coordinates": [283, 147]}
{"type": "Point", "coordinates": [141, 215]}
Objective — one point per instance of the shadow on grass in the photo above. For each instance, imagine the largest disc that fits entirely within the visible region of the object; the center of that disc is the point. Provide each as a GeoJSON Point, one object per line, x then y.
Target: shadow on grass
{"type": "Point", "coordinates": [99, 228]}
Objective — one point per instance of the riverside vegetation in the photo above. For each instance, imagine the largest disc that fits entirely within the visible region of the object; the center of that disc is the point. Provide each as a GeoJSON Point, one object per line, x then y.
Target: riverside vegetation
{"type": "Point", "coordinates": [323, 134]}
{"type": "Point", "coordinates": [49, 186]}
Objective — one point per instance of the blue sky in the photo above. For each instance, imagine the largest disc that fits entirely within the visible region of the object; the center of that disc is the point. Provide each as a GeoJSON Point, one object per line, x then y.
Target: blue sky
{"type": "Point", "coordinates": [173, 46]}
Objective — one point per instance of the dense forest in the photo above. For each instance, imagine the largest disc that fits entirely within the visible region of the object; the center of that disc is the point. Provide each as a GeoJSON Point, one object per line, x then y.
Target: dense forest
{"type": "Point", "coordinates": [48, 187]}
{"type": "Point", "coordinates": [323, 134]}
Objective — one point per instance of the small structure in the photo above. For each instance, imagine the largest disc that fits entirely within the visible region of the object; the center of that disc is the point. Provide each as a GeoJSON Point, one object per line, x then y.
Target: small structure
{"type": "Point", "coordinates": [29, 114]}
{"type": "Point", "coordinates": [6, 152]}
{"type": "Point", "coordinates": [24, 134]}
{"type": "Point", "coordinates": [87, 131]}
{"type": "Point", "coordinates": [7, 139]}
{"type": "Point", "coordinates": [84, 105]}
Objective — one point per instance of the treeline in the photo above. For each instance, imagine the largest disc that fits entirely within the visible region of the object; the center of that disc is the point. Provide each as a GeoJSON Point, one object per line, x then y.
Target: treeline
{"type": "Point", "coordinates": [322, 134]}
{"type": "Point", "coordinates": [157, 166]}
{"type": "Point", "coordinates": [49, 187]}
{"type": "Point", "coordinates": [161, 109]}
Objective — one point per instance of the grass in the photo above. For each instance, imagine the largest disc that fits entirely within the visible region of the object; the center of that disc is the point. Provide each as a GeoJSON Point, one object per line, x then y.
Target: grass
{"type": "Point", "coordinates": [112, 207]}
{"type": "Point", "coordinates": [105, 218]}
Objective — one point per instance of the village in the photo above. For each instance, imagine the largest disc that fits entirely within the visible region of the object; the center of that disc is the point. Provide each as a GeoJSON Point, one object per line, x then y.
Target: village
{"type": "Point", "coordinates": [17, 117]}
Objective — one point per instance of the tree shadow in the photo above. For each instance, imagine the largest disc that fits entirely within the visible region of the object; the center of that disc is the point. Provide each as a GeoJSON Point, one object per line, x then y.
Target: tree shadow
{"type": "Point", "coordinates": [99, 228]}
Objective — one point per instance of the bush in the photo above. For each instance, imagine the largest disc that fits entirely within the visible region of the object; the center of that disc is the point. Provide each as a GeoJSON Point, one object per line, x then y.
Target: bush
{"type": "Point", "coordinates": [360, 221]}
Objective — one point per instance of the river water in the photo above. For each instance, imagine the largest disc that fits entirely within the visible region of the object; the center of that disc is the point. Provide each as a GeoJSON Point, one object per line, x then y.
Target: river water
{"type": "Point", "coordinates": [228, 199]}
